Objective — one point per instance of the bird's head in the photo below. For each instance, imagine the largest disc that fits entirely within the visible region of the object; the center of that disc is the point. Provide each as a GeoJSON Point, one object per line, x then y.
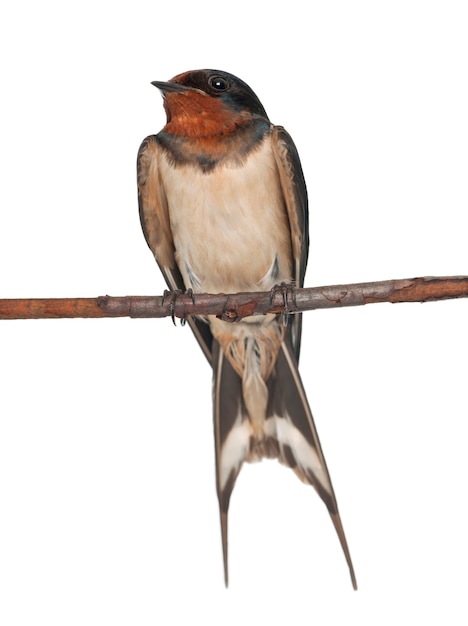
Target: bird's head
{"type": "Point", "coordinates": [208, 102]}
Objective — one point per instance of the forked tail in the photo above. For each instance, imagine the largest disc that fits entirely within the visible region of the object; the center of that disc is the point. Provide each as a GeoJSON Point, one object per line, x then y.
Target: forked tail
{"type": "Point", "coordinates": [288, 433]}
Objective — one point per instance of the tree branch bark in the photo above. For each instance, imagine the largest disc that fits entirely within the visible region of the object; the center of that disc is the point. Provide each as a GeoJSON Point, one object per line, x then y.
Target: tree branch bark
{"type": "Point", "coordinates": [234, 307]}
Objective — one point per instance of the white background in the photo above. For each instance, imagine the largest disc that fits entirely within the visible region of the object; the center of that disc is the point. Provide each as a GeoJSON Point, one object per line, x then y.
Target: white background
{"type": "Point", "coordinates": [108, 512]}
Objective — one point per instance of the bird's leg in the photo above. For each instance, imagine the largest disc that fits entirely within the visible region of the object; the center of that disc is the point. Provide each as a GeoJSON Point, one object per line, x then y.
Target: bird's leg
{"type": "Point", "coordinates": [288, 294]}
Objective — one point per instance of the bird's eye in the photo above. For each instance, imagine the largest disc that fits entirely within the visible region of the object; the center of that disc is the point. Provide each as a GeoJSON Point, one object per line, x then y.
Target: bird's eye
{"type": "Point", "coordinates": [218, 83]}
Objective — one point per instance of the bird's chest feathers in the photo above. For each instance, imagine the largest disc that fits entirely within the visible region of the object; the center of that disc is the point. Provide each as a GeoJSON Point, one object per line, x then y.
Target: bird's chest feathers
{"type": "Point", "coordinates": [229, 225]}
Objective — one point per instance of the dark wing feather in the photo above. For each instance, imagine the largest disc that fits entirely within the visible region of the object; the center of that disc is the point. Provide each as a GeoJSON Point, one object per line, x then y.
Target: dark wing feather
{"type": "Point", "coordinates": [289, 411]}
{"type": "Point", "coordinates": [154, 217]}
{"type": "Point", "coordinates": [295, 196]}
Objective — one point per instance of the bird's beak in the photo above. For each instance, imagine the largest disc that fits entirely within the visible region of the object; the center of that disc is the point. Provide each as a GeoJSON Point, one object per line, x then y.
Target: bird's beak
{"type": "Point", "coordinates": [174, 87]}
{"type": "Point", "coordinates": [162, 86]}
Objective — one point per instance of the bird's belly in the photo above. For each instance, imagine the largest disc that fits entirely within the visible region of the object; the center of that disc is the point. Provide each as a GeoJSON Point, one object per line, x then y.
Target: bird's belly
{"type": "Point", "coordinates": [229, 226]}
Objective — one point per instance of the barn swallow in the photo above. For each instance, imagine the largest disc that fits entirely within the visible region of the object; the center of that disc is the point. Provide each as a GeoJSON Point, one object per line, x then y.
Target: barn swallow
{"type": "Point", "coordinates": [223, 207]}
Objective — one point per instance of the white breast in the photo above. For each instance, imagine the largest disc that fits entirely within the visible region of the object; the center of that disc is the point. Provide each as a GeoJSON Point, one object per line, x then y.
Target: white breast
{"type": "Point", "coordinates": [229, 226]}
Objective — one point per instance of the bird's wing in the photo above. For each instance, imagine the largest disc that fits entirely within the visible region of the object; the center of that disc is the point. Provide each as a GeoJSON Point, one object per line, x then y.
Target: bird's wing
{"type": "Point", "coordinates": [295, 196]}
{"type": "Point", "coordinates": [154, 217]}
{"type": "Point", "coordinates": [289, 416]}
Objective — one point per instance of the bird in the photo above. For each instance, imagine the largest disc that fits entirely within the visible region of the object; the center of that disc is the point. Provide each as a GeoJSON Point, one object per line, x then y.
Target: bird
{"type": "Point", "coordinates": [223, 207]}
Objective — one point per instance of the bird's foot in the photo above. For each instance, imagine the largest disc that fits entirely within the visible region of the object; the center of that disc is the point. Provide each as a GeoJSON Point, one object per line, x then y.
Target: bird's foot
{"type": "Point", "coordinates": [172, 296]}
{"type": "Point", "coordinates": [288, 293]}
{"type": "Point", "coordinates": [189, 293]}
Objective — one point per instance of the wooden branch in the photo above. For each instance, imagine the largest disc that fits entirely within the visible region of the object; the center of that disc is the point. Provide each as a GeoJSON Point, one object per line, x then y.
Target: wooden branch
{"type": "Point", "coordinates": [234, 307]}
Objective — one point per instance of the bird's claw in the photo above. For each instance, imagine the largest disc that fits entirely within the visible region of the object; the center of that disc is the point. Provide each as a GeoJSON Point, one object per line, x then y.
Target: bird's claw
{"type": "Point", "coordinates": [188, 293]}
{"type": "Point", "coordinates": [173, 295]}
{"type": "Point", "coordinates": [288, 294]}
